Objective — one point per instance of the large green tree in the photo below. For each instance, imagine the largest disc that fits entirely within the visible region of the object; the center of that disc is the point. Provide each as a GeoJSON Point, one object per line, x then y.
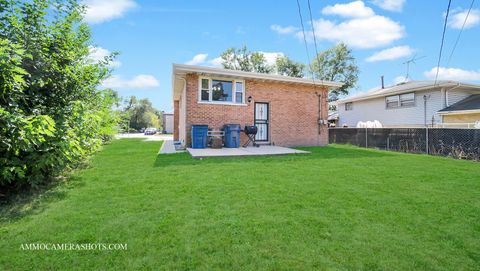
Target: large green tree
{"type": "Point", "coordinates": [52, 112]}
{"type": "Point", "coordinates": [246, 60]}
{"type": "Point", "coordinates": [336, 64]}
{"type": "Point", "coordinates": [142, 114]}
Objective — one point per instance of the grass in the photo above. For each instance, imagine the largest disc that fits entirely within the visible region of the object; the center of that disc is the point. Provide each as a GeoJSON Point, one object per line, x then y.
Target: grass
{"type": "Point", "coordinates": [339, 207]}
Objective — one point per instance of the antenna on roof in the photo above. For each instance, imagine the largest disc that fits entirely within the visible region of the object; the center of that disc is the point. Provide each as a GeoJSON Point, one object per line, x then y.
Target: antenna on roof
{"type": "Point", "coordinates": [411, 61]}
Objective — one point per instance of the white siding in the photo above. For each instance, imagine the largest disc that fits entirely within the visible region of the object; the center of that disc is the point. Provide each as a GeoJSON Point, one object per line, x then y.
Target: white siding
{"type": "Point", "coordinates": [375, 109]}
{"type": "Point", "coordinates": [456, 96]}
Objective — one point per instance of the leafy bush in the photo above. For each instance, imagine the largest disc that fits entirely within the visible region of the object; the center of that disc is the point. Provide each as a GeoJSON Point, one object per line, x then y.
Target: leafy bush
{"type": "Point", "coordinates": [52, 113]}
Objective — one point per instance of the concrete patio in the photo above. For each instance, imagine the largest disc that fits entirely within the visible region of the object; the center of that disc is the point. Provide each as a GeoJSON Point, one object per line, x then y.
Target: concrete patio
{"type": "Point", "coordinates": [248, 151]}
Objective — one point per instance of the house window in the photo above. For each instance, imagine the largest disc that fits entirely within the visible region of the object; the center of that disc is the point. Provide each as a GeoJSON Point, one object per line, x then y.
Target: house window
{"type": "Point", "coordinates": [205, 90]}
{"type": "Point", "coordinates": [222, 91]}
{"type": "Point", "coordinates": [402, 100]}
{"type": "Point", "coordinates": [239, 92]}
{"type": "Point", "coordinates": [226, 91]}
{"type": "Point", "coordinates": [348, 106]}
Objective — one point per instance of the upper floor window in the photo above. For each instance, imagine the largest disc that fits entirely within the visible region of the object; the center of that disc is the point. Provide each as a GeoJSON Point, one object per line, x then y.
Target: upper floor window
{"type": "Point", "coordinates": [348, 106]}
{"type": "Point", "coordinates": [402, 100]}
{"type": "Point", "coordinates": [220, 90]}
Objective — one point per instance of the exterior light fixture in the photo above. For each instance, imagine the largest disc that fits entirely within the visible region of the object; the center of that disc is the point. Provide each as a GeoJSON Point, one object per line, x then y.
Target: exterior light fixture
{"type": "Point", "coordinates": [249, 99]}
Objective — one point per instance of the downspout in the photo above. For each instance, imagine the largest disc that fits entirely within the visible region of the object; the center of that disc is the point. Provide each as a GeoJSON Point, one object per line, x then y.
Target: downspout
{"type": "Point", "coordinates": [184, 92]}
{"type": "Point", "coordinates": [446, 93]}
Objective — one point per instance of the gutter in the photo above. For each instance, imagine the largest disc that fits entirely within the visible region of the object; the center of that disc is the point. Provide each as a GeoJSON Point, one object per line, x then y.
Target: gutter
{"type": "Point", "coordinates": [459, 112]}
{"type": "Point", "coordinates": [251, 75]}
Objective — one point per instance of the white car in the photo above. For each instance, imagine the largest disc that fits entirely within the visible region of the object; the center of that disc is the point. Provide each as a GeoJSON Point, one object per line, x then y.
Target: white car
{"type": "Point", "coordinates": [150, 131]}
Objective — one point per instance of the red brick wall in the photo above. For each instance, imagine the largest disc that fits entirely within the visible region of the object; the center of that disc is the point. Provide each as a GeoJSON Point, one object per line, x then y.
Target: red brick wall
{"type": "Point", "coordinates": [176, 112]}
{"type": "Point", "coordinates": [293, 111]}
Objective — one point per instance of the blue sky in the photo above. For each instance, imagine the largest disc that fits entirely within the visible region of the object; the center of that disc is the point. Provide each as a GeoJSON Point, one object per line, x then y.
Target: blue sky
{"type": "Point", "coordinates": [383, 34]}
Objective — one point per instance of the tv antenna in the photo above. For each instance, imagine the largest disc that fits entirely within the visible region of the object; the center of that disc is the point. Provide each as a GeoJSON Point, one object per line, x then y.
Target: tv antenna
{"type": "Point", "coordinates": [411, 61]}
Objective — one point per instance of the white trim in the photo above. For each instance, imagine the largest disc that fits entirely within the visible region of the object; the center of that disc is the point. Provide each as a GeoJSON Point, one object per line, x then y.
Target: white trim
{"type": "Point", "coordinates": [208, 71]}
{"type": "Point", "coordinates": [459, 112]}
{"type": "Point", "coordinates": [210, 92]}
{"type": "Point", "coordinates": [221, 103]}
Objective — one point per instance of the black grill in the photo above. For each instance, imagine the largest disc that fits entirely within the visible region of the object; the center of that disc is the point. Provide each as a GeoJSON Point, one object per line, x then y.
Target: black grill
{"type": "Point", "coordinates": [250, 130]}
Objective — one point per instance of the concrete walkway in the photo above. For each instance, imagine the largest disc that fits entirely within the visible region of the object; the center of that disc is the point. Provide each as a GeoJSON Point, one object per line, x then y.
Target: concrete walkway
{"type": "Point", "coordinates": [248, 151]}
{"type": "Point", "coordinates": [167, 147]}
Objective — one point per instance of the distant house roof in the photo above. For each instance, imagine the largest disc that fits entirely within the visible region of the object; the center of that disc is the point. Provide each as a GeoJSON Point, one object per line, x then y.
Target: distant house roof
{"type": "Point", "coordinates": [404, 88]}
{"type": "Point", "coordinates": [471, 103]}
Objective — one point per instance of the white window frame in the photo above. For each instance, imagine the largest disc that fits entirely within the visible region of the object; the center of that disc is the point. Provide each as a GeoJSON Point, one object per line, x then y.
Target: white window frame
{"type": "Point", "coordinates": [210, 92]}
{"type": "Point", "coordinates": [399, 101]}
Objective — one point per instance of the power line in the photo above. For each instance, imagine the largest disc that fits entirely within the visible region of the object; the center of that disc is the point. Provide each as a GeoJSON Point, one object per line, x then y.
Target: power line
{"type": "Point", "coordinates": [305, 40]}
{"type": "Point", "coordinates": [443, 39]}
{"type": "Point", "coordinates": [313, 29]}
{"type": "Point", "coordinates": [460, 33]}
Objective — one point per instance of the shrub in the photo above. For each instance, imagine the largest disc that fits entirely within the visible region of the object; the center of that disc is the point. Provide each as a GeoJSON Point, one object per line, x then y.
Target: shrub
{"type": "Point", "coordinates": [52, 113]}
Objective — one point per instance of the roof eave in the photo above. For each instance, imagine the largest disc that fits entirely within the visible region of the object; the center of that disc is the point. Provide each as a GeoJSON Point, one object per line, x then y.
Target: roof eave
{"type": "Point", "coordinates": [184, 69]}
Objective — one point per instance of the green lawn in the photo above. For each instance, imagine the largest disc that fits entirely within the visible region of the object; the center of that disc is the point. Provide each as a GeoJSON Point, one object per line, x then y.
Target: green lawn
{"type": "Point", "coordinates": [338, 208]}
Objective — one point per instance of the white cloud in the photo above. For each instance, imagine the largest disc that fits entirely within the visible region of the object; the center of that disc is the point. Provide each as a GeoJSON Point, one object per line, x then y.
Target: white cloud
{"type": "Point", "coordinates": [390, 5]}
{"type": "Point", "coordinates": [202, 59]}
{"type": "Point", "coordinates": [353, 9]}
{"type": "Point", "coordinates": [197, 59]}
{"type": "Point", "coordinates": [391, 53]}
{"type": "Point", "coordinates": [98, 54]}
{"type": "Point", "coordinates": [369, 32]}
{"type": "Point", "coordinates": [99, 11]}
{"type": "Point", "coordinates": [283, 30]}
{"type": "Point", "coordinates": [453, 74]}
{"type": "Point", "coordinates": [216, 62]}
{"type": "Point", "coordinates": [141, 81]}
{"type": "Point", "coordinates": [458, 18]}
{"type": "Point", "coordinates": [400, 79]}
{"type": "Point", "coordinates": [271, 57]}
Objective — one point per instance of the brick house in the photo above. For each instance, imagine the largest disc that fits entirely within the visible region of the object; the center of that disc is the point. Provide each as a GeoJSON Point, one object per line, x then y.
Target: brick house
{"type": "Point", "coordinates": [288, 111]}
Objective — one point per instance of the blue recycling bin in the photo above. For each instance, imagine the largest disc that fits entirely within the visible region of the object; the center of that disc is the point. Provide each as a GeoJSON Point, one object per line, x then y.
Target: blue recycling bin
{"type": "Point", "coordinates": [199, 136]}
{"type": "Point", "coordinates": [232, 135]}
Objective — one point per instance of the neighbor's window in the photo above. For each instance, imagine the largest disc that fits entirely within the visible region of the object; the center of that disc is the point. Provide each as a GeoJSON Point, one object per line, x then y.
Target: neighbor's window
{"type": "Point", "coordinates": [214, 90]}
{"type": "Point", "coordinates": [402, 100]}
{"type": "Point", "coordinates": [348, 106]}
{"type": "Point", "coordinates": [407, 99]}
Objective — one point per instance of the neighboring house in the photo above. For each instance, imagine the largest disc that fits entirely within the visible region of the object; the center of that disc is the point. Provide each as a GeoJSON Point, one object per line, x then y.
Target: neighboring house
{"type": "Point", "coordinates": [466, 111]}
{"type": "Point", "coordinates": [287, 111]}
{"type": "Point", "coordinates": [167, 121]}
{"type": "Point", "coordinates": [411, 104]}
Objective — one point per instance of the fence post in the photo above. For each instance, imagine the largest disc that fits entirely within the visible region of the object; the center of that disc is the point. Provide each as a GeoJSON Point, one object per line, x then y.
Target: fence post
{"type": "Point", "coordinates": [426, 139]}
{"type": "Point", "coordinates": [366, 137]}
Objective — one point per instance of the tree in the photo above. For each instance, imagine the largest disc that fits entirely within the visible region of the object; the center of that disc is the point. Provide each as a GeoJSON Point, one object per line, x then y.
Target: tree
{"type": "Point", "coordinates": [244, 60]}
{"type": "Point", "coordinates": [52, 112]}
{"type": "Point", "coordinates": [336, 64]}
{"type": "Point", "coordinates": [287, 67]}
{"type": "Point", "coordinates": [142, 114]}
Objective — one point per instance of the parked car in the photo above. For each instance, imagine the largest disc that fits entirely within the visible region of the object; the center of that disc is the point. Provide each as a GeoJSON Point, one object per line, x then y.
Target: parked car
{"type": "Point", "coordinates": [150, 131]}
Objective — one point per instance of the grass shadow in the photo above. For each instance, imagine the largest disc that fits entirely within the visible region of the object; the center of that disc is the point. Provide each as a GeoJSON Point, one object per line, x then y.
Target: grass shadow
{"type": "Point", "coordinates": [30, 201]}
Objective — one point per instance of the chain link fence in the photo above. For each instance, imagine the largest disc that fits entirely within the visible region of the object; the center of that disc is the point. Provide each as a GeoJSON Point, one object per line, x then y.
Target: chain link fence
{"type": "Point", "coordinates": [456, 143]}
